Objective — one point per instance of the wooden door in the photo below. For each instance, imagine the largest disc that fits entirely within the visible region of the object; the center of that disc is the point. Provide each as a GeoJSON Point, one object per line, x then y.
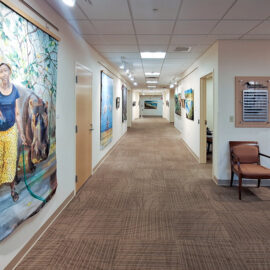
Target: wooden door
{"type": "Point", "coordinates": [83, 126]}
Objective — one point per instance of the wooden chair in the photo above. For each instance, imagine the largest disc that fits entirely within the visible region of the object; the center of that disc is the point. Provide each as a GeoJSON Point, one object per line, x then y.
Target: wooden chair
{"type": "Point", "coordinates": [245, 162]}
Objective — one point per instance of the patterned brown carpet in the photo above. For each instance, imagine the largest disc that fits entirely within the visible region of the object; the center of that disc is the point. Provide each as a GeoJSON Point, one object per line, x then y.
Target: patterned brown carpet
{"type": "Point", "coordinates": [151, 206]}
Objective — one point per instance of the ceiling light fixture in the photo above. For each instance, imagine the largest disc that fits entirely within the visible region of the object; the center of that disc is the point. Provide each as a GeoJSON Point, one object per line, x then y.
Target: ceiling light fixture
{"type": "Point", "coordinates": [122, 66]}
{"type": "Point", "coordinates": [135, 83]}
{"type": "Point", "coordinates": [69, 3]}
{"type": "Point", "coordinates": [152, 74]}
{"type": "Point", "coordinates": [127, 71]}
{"type": "Point", "coordinates": [151, 86]}
{"type": "Point", "coordinates": [154, 55]}
{"type": "Point", "coordinates": [171, 85]}
{"type": "Point", "coordinates": [151, 81]}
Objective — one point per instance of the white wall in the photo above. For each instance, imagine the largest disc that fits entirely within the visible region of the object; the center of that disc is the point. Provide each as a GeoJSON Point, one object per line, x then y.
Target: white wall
{"type": "Point", "coordinates": [149, 112]}
{"type": "Point", "coordinates": [135, 109]}
{"type": "Point", "coordinates": [210, 103]}
{"type": "Point", "coordinates": [190, 130]}
{"type": "Point", "coordinates": [72, 50]}
{"type": "Point", "coordinates": [238, 58]}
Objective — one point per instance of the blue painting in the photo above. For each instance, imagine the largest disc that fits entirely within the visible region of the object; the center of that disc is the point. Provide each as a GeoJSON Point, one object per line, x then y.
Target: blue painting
{"type": "Point", "coordinates": [150, 104]}
{"type": "Point", "coordinates": [189, 104]}
{"type": "Point", "coordinates": [106, 110]}
{"type": "Point", "coordinates": [28, 76]}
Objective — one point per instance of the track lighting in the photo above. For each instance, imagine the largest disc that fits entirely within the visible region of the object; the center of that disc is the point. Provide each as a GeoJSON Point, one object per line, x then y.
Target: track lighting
{"type": "Point", "coordinates": [69, 3]}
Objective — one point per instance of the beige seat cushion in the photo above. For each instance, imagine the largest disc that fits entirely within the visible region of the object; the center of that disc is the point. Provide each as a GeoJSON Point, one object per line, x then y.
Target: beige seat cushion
{"type": "Point", "coordinates": [253, 170]}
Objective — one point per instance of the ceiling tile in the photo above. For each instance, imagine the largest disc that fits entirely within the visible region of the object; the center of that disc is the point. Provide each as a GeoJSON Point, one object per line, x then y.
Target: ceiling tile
{"type": "Point", "coordinates": [193, 27]}
{"type": "Point", "coordinates": [249, 10]}
{"type": "Point", "coordinates": [114, 27]}
{"type": "Point", "coordinates": [178, 55]}
{"type": "Point", "coordinates": [153, 39]}
{"type": "Point", "coordinates": [105, 10]}
{"type": "Point", "coordinates": [154, 27]}
{"type": "Point", "coordinates": [74, 13]}
{"type": "Point", "coordinates": [234, 27]}
{"type": "Point", "coordinates": [111, 39]}
{"type": "Point", "coordinates": [220, 37]}
{"type": "Point", "coordinates": [204, 10]}
{"type": "Point", "coordinates": [262, 29]}
{"type": "Point", "coordinates": [153, 48]}
{"type": "Point", "coordinates": [192, 39]}
{"type": "Point", "coordinates": [143, 10]}
{"type": "Point", "coordinates": [256, 37]}
{"type": "Point", "coordinates": [128, 56]}
{"type": "Point", "coordinates": [117, 48]}
{"type": "Point", "coordinates": [83, 27]}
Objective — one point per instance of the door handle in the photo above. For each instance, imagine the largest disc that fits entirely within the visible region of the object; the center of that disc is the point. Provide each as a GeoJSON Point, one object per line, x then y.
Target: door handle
{"type": "Point", "coordinates": [91, 127]}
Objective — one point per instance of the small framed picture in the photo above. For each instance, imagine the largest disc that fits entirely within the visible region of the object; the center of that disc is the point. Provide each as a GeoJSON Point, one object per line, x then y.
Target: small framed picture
{"type": "Point", "coordinates": [117, 102]}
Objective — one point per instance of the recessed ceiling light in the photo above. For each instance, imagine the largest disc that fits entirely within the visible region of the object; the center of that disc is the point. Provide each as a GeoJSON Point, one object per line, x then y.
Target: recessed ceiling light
{"type": "Point", "coordinates": [152, 74]}
{"type": "Point", "coordinates": [171, 85]}
{"type": "Point", "coordinates": [151, 86]}
{"type": "Point", "coordinates": [154, 55]}
{"type": "Point", "coordinates": [151, 81]}
{"type": "Point", "coordinates": [70, 3]}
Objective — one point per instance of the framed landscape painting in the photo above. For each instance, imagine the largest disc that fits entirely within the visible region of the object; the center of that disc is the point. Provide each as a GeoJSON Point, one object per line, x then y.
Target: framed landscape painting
{"type": "Point", "coordinates": [189, 104]}
{"type": "Point", "coordinates": [124, 103]}
{"type": "Point", "coordinates": [177, 99]}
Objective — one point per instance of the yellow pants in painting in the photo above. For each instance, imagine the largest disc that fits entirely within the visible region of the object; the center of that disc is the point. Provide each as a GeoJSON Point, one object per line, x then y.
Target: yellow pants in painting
{"type": "Point", "coordinates": [8, 154]}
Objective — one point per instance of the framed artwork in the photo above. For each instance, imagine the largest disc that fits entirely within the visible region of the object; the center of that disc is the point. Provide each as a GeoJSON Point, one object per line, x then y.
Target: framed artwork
{"type": "Point", "coordinates": [134, 103]}
{"type": "Point", "coordinates": [106, 110]}
{"type": "Point", "coordinates": [150, 104]}
{"type": "Point", "coordinates": [28, 57]}
{"type": "Point", "coordinates": [183, 103]}
{"type": "Point", "coordinates": [177, 99]}
{"type": "Point", "coordinates": [124, 103]}
{"type": "Point", "coordinates": [117, 102]}
{"type": "Point", "coordinates": [189, 104]}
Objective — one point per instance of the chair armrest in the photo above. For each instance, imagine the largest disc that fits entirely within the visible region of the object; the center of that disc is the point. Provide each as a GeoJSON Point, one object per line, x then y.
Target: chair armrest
{"type": "Point", "coordinates": [264, 155]}
{"type": "Point", "coordinates": [235, 159]}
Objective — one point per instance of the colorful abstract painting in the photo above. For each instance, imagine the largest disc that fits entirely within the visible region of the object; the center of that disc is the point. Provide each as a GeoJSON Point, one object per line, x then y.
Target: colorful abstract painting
{"type": "Point", "coordinates": [124, 103]}
{"type": "Point", "coordinates": [177, 99]}
{"type": "Point", "coordinates": [150, 104]}
{"type": "Point", "coordinates": [106, 110]}
{"type": "Point", "coordinates": [189, 104]}
{"type": "Point", "coordinates": [28, 76]}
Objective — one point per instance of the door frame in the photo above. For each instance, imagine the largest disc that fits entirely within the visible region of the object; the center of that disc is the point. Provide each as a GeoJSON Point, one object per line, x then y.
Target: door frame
{"type": "Point", "coordinates": [77, 64]}
{"type": "Point", "coordinates": [203, 123]}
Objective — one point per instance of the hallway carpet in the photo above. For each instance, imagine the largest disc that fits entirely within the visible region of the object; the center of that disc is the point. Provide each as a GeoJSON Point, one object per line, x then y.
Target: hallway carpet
{"type": "Point", "coordinates": [151, 206]}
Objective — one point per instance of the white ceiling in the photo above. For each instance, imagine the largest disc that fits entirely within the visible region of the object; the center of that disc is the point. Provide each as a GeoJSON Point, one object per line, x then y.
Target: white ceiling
{"type": "Point", "coordinates": [122, 28]}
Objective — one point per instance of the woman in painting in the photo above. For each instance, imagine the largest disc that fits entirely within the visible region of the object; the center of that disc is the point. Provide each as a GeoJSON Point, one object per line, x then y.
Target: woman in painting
{"type": "Point", "coordinates": [9, 122]}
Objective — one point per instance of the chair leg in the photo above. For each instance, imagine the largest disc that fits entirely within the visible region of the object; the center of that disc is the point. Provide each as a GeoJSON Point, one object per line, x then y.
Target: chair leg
{"type": "Point", "coordinates": [259, 182]}
{"type": "Point", "coordinates": [240, 186]}
{"type": "Point", "coordinates": [232, 174]}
